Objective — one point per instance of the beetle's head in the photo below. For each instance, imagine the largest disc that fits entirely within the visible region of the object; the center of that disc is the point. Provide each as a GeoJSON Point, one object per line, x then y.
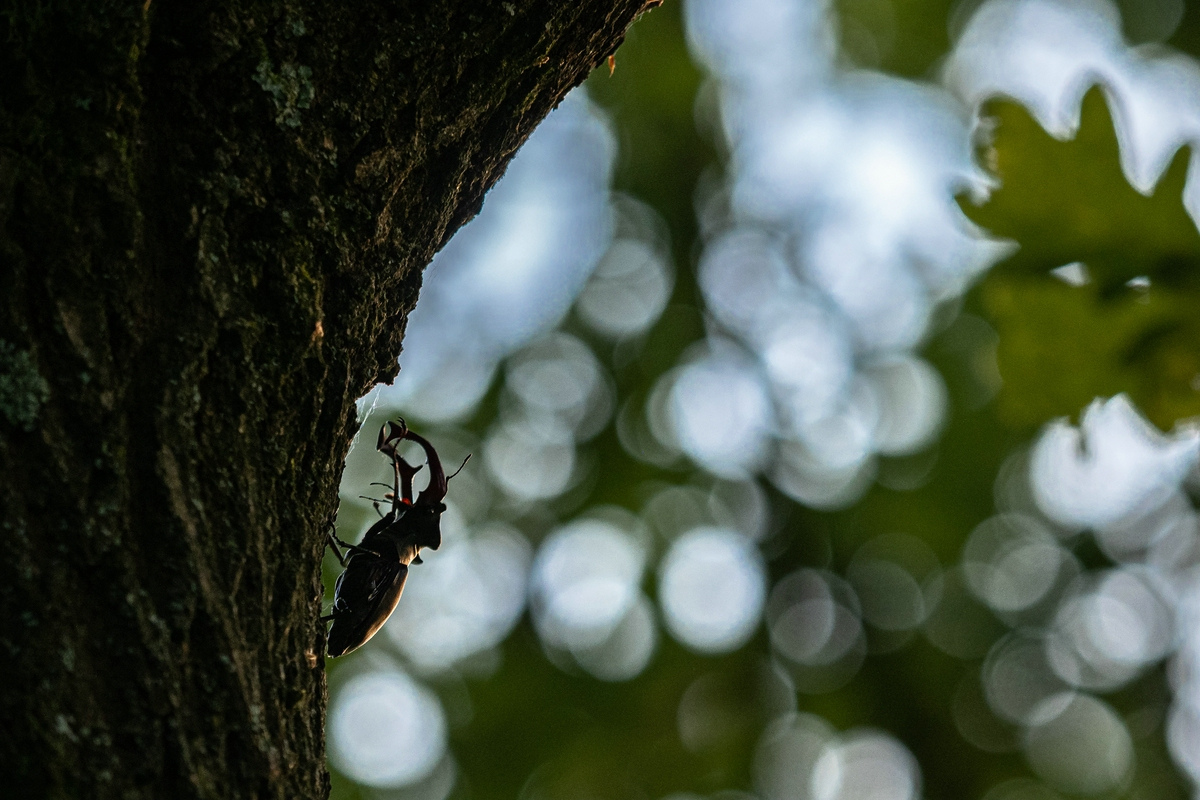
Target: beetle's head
{"type": "Point", "coordinates": [424, 524]}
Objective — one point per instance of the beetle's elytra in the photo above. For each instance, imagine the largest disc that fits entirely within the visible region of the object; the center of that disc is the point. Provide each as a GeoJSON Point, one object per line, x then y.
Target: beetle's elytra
{"type": "Point", "coordinates": [375, 570]}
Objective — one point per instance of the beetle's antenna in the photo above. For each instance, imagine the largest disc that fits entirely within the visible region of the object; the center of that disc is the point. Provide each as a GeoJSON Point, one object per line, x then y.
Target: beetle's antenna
{"type": "Point", "coordinates": [374, 502]}
{"type": "Point", "coordinates": [460, 466]}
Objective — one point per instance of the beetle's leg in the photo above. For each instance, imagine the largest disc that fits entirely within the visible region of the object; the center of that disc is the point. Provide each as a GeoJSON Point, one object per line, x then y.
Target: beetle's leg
{"type": "Point", "coordinates": [358, 548]}
{"type": "Point", "coordinates": [344, 543]}
{"type": "Point", "coordinates": [339, 608]}
{"type": "Point", "coordinates": [332, 540]}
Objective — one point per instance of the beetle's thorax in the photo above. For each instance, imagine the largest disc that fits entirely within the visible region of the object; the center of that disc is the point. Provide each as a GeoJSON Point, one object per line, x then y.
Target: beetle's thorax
{"type": "Point", "coordinates": [407, 536]}
{"type": "Point", "coordinates": [407, 551]}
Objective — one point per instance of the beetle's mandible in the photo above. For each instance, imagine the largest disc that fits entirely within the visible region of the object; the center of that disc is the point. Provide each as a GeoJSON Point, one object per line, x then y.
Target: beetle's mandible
{"type": "Point", "coordinates": [369, 587]}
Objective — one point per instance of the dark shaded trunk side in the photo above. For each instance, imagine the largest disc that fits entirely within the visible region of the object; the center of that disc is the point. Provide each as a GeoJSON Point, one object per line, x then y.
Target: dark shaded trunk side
{"type": "Point", "coordinates": [213, 221]}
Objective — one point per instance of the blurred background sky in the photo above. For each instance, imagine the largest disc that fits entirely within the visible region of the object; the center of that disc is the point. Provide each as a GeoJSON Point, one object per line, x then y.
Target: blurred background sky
{"type": "Point", "coordinates": [832, 376]}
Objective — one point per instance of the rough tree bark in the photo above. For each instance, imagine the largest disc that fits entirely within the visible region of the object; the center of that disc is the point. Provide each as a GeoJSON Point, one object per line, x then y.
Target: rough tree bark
{"type": "Point", "coordinates": [213, 221]}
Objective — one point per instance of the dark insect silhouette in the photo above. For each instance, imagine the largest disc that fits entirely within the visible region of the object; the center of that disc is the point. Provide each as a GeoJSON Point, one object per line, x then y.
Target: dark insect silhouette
{"type": "Point", "coordinates": [369, 588]}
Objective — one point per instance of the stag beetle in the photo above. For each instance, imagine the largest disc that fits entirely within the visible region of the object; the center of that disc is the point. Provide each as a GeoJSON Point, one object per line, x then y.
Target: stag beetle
{"type": "Point", "coordinates": [368, 589]}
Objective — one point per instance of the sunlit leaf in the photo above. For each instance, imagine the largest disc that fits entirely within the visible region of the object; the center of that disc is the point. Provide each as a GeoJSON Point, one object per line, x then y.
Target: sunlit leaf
{"type": "Point", "coordinates": [1132, 326]}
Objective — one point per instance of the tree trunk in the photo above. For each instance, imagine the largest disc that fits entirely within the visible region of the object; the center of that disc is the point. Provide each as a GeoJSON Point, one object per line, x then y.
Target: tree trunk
{"type": "Point", "coordinates": [213, 221]}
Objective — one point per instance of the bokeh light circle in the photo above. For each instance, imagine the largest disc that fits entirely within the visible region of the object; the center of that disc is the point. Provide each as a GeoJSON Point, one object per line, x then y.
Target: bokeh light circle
{"type": "Point", "coordinates": [1081, 746]}
{"type": "Point", "coordinates": [584, 581]}
{"type": "Point", "coordinates": [386, 730]}
{"type": "Point", "coordinates": [1011, 561]}
{"type": "Point", "coordinates": [866, 764]}
{"type": "Point", "coordinates": [712, 588]}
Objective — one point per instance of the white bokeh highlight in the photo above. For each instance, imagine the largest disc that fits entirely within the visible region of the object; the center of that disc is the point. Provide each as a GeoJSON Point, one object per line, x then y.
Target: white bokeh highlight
{"type": "Point", "coordinates": [586, 597]}
{"type": "Point", "coordinates": [386, 730]}
{"type": "Point", "coordinates": [1116, 478]}
{"type": "Point", "coordinates": [801, 757]}
{"type": "Point", "coordinates": [828, 249]}
{"type": "Point", "coordinates": [1113, 465]}
{"type": "Point", "coordinates": [1047, 53]}
{"type": "Point", "coordinates": [712, 586]}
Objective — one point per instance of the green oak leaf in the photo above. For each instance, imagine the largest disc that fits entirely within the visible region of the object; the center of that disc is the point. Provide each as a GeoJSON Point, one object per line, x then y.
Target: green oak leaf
{"type": "Point", "coordinates": [1068, 201]}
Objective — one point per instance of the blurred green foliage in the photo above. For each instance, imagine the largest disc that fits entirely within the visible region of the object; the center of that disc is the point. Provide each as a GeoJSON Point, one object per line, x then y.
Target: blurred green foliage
{"type": "Point", "coordinates": [529, 729]}
{"type": "Point", "coordinates": [903, 37]}
{"type": "Point", "coordinates": [1067, 202]}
